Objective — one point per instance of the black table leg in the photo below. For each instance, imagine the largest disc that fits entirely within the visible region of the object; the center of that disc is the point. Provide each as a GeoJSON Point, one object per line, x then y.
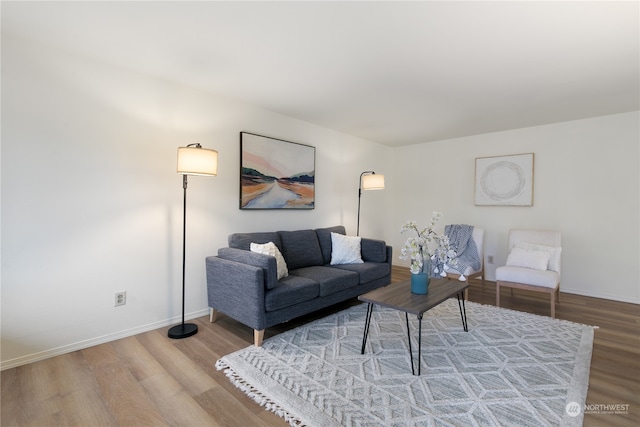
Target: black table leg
{"type": "Point", "coordinates": [463, 311]}
{"type": "Point", "coordinates": [419, 342]}
{"type": "Point", "coordinates": [366, 326]}
{"type": "Point", "coordinates": [413, 370]}
{"type": "Point", "coordinates": [406, 318]}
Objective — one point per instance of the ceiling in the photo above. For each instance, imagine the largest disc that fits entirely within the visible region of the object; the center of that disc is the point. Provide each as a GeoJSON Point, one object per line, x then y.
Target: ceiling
{"type": "Point", "coordinates": [396, 73]}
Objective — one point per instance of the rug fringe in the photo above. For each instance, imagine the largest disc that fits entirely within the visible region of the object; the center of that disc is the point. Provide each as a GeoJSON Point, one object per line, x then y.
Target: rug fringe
{"type": "Point", "coordinates": [257, 395]}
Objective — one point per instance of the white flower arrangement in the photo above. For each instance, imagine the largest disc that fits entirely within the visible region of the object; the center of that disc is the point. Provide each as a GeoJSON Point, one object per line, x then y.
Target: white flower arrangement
{"type": "Point", "coordinates": [427, 245]}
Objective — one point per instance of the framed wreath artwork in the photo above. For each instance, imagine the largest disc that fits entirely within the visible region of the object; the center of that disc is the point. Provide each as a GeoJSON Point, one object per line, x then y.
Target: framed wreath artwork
{"type": "Point", "coordinates": [276, 174]}
{"type": "Point", "coordinates": [504, 180]}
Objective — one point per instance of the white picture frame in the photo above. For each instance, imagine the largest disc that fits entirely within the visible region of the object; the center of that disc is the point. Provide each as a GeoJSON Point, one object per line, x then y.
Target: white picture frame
{"type": "Point", "coordinates": [504, 180]}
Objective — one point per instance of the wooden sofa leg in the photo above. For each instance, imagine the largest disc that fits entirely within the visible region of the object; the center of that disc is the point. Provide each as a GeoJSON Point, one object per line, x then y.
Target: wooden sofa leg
{"type": "Point", "coordinates": [497, 294]}
{"type": "Point", "coordinates": [258, 336]}
{"type": "Point", "coordinates": [213, 315]}
{"type": "Point", "coordinates": [553, 305]}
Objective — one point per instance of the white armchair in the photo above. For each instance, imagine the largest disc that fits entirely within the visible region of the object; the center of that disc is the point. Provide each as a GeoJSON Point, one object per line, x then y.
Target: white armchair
{"type": "Point", "coordinates": [533, 264]}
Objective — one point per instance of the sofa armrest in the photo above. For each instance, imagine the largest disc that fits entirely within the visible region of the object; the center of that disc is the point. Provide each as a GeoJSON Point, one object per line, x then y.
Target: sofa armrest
{"type": "Point", "coordinates": [267, 263]}
{"type": "Point", "coordinates": [237, 290]}
{"type": "Point", "coordinates": [373, 250]}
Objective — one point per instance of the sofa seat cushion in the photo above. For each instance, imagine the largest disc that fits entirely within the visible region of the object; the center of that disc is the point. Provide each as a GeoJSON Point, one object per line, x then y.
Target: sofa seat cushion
{"type": "Point", "coordinates": [289, 291]}
{"type": "Point", "coordinates": [528, 276]}
{"type": "Point", "coordinates": [330, 279]}
{"type": "Point", "coordinates": [301, 248]}
{"type": "Point", "coordinates": [368, 272]}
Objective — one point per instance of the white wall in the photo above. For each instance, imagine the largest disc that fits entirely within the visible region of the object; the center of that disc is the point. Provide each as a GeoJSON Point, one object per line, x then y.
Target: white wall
{"type": "Point", "coordinates": [586, 184]}
{"type": "Point", "coordinates": [92, 205]}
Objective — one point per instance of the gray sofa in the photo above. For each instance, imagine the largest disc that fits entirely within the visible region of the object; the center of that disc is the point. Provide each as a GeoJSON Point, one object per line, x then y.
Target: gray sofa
{"type": "Point", "coordinates": [244, 285]}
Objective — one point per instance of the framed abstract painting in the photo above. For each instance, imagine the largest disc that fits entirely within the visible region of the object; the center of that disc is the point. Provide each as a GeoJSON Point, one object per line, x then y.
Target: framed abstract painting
{"type": "Point", "coordinates": [504, 180]}
{"type": "Point", "coordinates": [276, 174]}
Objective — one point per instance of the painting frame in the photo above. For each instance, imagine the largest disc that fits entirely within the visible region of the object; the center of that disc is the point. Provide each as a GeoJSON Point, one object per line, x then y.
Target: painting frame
{"type": "Point", "coordinates": [276, 174]}
{"type": "Point", "coordinates": [504, 180]}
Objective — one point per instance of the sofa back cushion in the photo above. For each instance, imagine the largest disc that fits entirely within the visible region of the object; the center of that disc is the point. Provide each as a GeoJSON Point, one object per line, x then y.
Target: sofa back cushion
{"type": "Point", "coordinates": [324, 238]}
{"type": "Point", "coordinates": [300, 248]}
{"type": "Point", "coordinates": [243, 240]}
{"type": "Point", "coordinates": [373, 250]}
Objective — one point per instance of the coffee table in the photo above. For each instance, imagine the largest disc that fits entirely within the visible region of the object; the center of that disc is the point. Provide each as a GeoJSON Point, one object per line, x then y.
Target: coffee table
{"type": "Point", "coordinates": [399, 297]}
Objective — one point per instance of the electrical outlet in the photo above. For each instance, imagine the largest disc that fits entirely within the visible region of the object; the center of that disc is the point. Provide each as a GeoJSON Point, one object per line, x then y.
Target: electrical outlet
{"type": "Point", "coordinates": [121, 298]}
{"type": "Point", "coordinates": [490, 259]}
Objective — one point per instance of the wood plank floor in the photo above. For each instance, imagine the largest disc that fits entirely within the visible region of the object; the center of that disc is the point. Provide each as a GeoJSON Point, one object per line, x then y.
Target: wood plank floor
{"type": "Point", "coordinates": [150, 380]}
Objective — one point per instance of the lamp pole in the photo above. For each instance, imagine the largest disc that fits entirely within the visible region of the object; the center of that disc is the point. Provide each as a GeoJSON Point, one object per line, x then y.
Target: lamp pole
{"type": "Point", "coordinates": [359, 197]}
{"type": "Point", "coordinates": [183, 330]}
{"type": "Point", "coordinates": [192, 160]}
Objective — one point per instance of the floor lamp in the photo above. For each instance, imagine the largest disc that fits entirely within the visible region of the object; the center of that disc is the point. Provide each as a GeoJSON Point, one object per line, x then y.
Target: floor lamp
{"type": "Point", "coordinates": [368, 181]}
{"type": "Point", "coordinates": [192, 160]}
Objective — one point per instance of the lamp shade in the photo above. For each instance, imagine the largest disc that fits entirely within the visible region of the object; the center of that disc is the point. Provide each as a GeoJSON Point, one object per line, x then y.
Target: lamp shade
{"type": "Point", "coordinates": [373, 182]}
{"type": "Point", "coordinates": [195, 160]}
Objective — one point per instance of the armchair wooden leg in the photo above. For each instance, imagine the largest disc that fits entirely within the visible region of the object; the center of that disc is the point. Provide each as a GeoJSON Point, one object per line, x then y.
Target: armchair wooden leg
{"type": "Point", "coordinates": [553, 305]}
{"type": "Point", "coordinates": [258, 336]}
{"type": "Point", "coordinates": [497, 294]}
{"type": "Point", "coordinates": [213, 315]}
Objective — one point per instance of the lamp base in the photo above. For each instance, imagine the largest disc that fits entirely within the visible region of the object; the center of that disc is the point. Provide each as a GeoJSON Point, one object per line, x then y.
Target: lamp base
{"type": "Point", "coordinates": [183, 330]}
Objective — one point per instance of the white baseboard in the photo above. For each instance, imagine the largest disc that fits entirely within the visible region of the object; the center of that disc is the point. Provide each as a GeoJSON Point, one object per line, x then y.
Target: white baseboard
{"type": "Point", "coordinates": [30, 358]}
{"type": "Point", "coordinates": [601, 295]}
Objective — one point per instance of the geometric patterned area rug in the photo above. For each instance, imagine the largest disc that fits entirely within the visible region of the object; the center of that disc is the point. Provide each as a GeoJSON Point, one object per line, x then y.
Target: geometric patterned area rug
{"type": "Point", "coordinates": [511, 368]}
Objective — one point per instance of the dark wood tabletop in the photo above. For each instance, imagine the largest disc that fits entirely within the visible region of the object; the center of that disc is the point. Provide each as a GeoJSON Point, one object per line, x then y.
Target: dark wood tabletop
{"type": "Point", "coordinates": [399, 297]}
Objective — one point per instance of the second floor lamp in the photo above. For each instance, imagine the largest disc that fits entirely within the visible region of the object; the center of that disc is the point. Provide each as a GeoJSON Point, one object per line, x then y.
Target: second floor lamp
{"type": "Point", "coordinates": [368, 181]}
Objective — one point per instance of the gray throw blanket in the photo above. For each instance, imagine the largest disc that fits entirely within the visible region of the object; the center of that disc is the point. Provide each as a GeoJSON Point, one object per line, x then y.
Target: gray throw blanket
{"type": "Point", "coordinates": [461, 241]}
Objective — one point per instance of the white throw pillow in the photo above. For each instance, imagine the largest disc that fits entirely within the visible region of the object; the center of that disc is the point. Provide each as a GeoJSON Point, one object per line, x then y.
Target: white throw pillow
{"type": "Point", "coordinates": [554, 252]}
{"type": "Point", "coordinates": [272, 250]}
{"type": "Point", "coordinates": [345, 249]}
{"type": "Point", "coordinates": [537, 260]}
